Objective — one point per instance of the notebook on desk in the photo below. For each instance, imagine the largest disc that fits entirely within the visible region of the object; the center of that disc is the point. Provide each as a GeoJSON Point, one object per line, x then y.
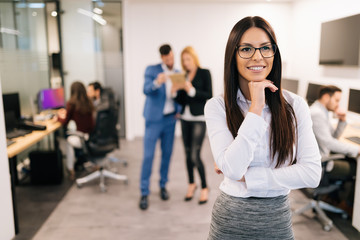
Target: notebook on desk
{"type": "Point", "coordinates": [17, 133]}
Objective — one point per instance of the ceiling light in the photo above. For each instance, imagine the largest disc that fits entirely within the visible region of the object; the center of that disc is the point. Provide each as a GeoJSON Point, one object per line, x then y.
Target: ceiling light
{"type": "Point", "coordinates": [99, 19]}
{"type": "Point", "coordinates": [94, 16]}
{"type": "Point", "coordinates": [53, 13]}
{"type": "Point", "coordinates": [98, 11]}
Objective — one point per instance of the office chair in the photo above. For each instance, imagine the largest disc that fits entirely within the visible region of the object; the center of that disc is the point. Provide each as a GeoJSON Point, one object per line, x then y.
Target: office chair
{"type": "Point", "coordinates": [109, 102]}
{"type": "Point", "coordinates": [325, 187]}
{"type": "Point", "coordinates": [102, 141]}
{"type": "Point", "coordinates": [114, 104]}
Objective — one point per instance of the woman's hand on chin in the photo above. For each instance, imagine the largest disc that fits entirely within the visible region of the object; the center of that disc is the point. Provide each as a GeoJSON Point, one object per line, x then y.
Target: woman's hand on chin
{"type": "Point", "coordinates": [257, 94]}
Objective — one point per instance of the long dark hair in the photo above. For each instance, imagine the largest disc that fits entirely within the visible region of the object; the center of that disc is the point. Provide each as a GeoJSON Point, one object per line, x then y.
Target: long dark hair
{"type": "Point", "coordinates": [283, 120]}
{"type": "Point", "coordinates": [79, 98]}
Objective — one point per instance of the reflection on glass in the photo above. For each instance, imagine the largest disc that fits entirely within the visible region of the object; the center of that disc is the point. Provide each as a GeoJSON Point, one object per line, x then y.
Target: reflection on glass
{"type": "Point", "coordinates": [24, 65]}
{"type": "Point", "coordinates": [109, 51]}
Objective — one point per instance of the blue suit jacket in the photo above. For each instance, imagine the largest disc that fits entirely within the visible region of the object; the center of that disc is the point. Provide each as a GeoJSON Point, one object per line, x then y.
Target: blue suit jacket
{"type": "Point", "coordinates": [155, 97]}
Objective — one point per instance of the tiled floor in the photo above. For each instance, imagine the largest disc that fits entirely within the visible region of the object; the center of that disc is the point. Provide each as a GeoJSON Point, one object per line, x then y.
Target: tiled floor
{"type": "Point", "coordinates": [87, 213]}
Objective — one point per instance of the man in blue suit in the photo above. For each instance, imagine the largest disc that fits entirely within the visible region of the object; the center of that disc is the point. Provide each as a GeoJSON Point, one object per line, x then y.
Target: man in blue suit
{"type": "Point", "coordinates": [160, 117]}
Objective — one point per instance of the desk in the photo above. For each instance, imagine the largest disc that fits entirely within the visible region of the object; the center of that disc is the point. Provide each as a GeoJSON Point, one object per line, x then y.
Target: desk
{"type": "Point", "coordinates": [21, 144]}
{"type": "Point", "coordinates": [28, 140]}
{"type": "Point", "coordinates": [352, 131]}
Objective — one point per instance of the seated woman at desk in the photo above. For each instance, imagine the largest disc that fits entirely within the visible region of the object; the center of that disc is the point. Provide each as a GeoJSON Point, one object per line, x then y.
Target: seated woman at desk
{"type": "Point", "coordinates": [80, 109]}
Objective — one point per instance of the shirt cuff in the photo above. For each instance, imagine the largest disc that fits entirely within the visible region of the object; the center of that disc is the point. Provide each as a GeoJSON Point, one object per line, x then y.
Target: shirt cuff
{"type": "Point", "coordinates": [342, 124]}
{"type": "Point", "coordinates": [354, 151]}
{"type": "Point", "coordinates": [253, 127]}
{"type": "Point", "coordinates": [192, 92]}
{"type": "Point", "coordinates": [156, 85]}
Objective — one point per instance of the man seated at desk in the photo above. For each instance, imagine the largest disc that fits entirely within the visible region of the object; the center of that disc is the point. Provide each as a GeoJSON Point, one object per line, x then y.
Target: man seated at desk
{"type": "Point", "coordinates": [96, 92]}
{"type": "Point", "coordinates": [327, 138]}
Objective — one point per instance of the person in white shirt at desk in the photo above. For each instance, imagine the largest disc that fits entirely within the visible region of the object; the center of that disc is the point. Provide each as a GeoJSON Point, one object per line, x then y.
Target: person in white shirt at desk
{"type": "Point", "coordinates": [326, 135]}
{"type": "Point", "coordinates": [261, 139]}
{"type": "Point", "coordinates": [327, 138]}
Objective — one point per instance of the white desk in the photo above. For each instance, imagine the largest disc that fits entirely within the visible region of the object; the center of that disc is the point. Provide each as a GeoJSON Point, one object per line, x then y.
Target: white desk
{"type": "Point", "coordinates": [352, 131]}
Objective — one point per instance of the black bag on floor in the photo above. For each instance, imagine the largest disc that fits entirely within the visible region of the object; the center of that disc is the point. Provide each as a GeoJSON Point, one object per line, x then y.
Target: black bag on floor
{"type": "Point", "coordinates": [46, 167]}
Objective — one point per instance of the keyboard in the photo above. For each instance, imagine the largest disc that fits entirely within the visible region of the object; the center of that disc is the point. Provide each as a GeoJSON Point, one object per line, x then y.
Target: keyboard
{"type": "Point", "coordinates": [354, 139]}
{"type": "Point", "coordinates": [27, 125]}
{"type": "Point", "coordinates": [17, 133]}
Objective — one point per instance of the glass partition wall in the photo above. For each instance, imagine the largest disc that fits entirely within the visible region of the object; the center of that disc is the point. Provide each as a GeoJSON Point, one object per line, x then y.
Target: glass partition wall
{"type": "Point", "coordinates": [29, 37]}
{"type": "Point", "coordinates": [109, 51]}
{"type": "Point", "coordinates": [31, 53]}
{"type": "Point", "coordinates": [26, 53]}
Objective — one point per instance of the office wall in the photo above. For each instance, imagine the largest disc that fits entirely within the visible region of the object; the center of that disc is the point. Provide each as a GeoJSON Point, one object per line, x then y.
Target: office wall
{"type": "Point", "coordinates": [7, 230]}
{"type": "Point", "coordinates": [79, 56]}
{"type": "Point", "coordinates": [205, 25]}
{"type": "Point", "coordinates": [305, 45]}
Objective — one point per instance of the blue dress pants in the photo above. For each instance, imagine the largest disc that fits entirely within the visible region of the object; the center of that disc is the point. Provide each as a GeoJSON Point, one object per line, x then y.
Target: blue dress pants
{"type": "Point", "coordinates": [163, 130]}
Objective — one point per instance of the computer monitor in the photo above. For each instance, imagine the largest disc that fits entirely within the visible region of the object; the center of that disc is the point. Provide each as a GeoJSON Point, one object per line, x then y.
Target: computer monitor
{"type": "Point", "coordinates": [312, 93]}
{"type": "Point", "coordinates": [51, 98]}
{"type": "Point", "coordinates": [291, 85]}
{"type": "Point", "coordinates": [11, 103]}
{"type": "Point", "coordinates": [354, 101]}
{"type": "Point", "coordinates": [10, 121]}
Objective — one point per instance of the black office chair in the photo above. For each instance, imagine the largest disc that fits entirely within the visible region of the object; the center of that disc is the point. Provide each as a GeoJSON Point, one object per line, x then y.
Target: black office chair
{"type": "Point", "coordinates": [102, 141]}
{"type": "Point", "coordinates": [108, 95]}
{"type": "Point", "coordinates": [325, 187]}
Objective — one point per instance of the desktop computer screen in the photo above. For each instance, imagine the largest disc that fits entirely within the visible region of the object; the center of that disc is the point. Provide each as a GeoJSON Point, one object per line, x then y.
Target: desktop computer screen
{"type": "Point", "coordinates": [312, 93]}
{"type": "Point", "coordinates": [11, 103]}
{"type": "Point", "coordinates": [291, 85]}
{"type": "Point", "coordinates": [51, 98]}
{"type": "Point", "coordinates": [354, 101]}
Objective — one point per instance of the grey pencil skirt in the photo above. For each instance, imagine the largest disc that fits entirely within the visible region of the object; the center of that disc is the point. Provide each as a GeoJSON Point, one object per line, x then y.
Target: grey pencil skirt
{"type": "Point", "coordinates": [250, 218]}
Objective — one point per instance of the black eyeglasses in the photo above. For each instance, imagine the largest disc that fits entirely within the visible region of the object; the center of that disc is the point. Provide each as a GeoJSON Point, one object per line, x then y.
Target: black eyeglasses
{"type": "Point", "coordinates": [247, 52]}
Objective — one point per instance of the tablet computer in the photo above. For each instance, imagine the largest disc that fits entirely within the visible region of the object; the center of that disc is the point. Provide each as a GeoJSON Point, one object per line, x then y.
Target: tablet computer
{"type": "Point", "coordinates": [178, 78]}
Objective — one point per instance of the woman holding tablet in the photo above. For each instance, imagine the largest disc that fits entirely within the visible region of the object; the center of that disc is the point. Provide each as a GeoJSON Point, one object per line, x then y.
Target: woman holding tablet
{"type": "Point", "coordinates": [192, 96]}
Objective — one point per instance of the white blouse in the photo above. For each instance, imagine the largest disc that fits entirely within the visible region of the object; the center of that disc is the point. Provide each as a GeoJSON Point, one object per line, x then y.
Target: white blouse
{"type": "Point", "coordinates": [249, 154]}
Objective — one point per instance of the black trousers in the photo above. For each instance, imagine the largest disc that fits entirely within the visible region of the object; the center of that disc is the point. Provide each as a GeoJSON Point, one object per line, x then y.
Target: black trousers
{"type": "Point", "coordinates": [193, 134]}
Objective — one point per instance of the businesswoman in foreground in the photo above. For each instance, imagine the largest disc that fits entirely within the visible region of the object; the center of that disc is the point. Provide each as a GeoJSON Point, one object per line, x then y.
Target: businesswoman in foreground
{"type": "Point", "coordinates": [193, 96]}
{"type": "Point", "coordinates": [261, 138]}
